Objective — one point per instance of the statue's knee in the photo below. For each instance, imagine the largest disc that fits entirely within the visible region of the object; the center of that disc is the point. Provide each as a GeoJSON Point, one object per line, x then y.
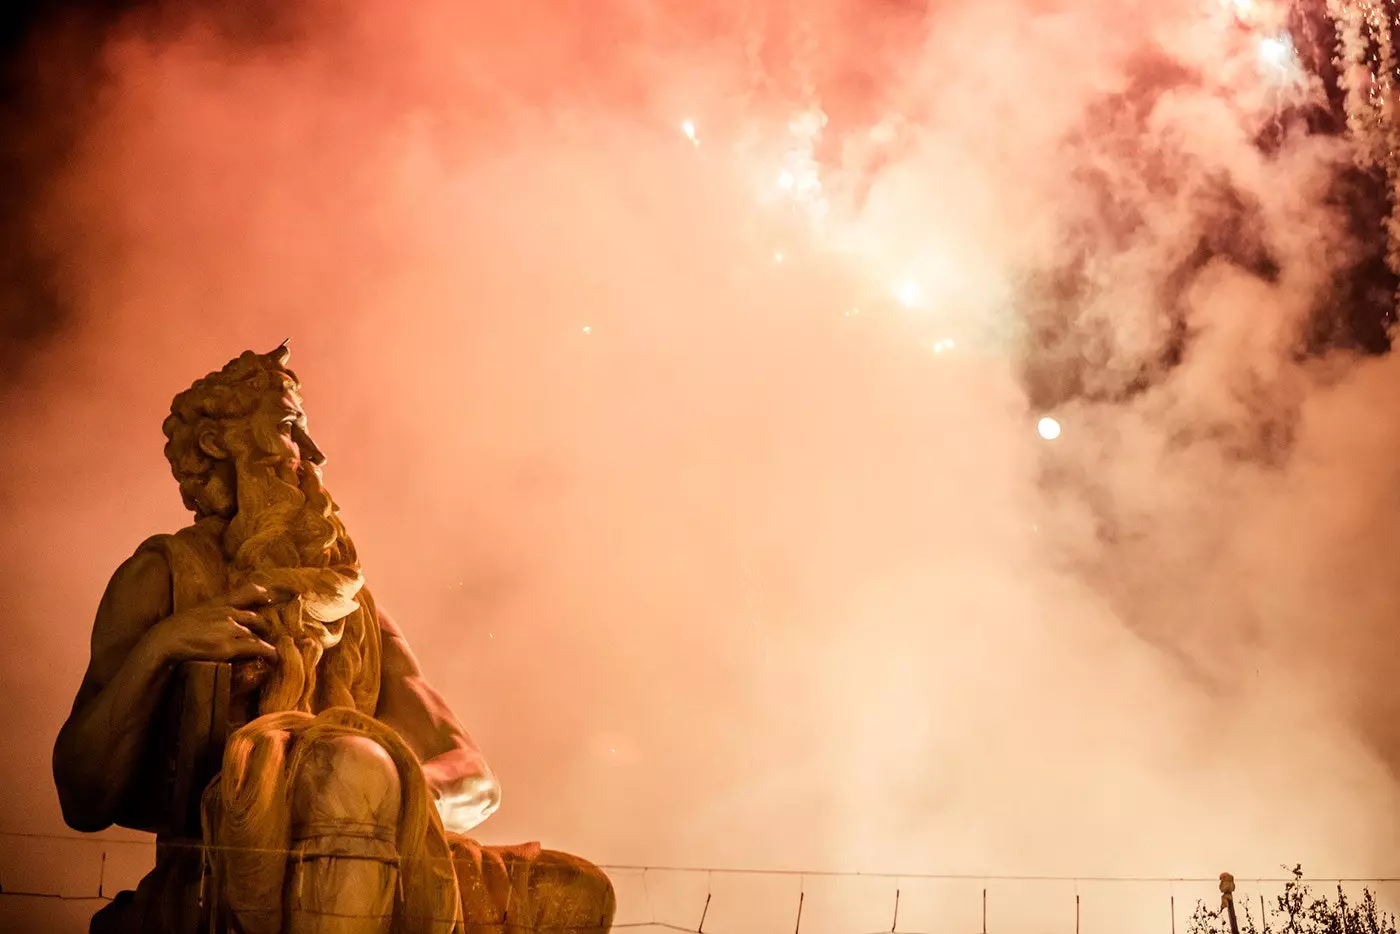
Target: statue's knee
{"type": "Point", "coordinates": [346, 780]}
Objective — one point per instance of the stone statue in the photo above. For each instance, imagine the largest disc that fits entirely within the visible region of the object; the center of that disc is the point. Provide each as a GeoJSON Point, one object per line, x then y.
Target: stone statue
{"type": "Point", "coordinates": [337, 799]}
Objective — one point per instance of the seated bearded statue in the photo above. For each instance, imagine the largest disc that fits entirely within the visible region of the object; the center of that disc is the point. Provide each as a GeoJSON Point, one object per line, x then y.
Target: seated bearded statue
{"type": "Point", "coordinates": [341, 802]}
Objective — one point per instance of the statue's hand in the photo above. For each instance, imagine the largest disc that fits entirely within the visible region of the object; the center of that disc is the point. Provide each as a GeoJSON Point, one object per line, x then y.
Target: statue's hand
{"type": "Point", "coordinates": [218, 630]}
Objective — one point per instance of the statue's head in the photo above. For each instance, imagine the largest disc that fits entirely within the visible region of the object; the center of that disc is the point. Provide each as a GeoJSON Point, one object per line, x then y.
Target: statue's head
{"type": "Point", "coordinates": [248, 413]}
{"type": "Point", "coordinates": [238, 445]}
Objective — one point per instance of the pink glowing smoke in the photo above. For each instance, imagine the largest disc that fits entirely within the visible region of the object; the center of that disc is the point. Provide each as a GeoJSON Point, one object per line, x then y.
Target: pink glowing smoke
{"type": "Point", "coordinates": [735, 561]}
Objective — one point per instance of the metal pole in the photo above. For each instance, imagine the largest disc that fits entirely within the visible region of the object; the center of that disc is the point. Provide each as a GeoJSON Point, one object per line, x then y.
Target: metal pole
{"type": "Point", "coordinates": [984, 911]}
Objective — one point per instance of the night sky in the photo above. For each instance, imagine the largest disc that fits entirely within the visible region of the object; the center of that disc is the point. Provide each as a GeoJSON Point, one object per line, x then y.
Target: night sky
{"type": "Point", "coordinates": [684, 373]}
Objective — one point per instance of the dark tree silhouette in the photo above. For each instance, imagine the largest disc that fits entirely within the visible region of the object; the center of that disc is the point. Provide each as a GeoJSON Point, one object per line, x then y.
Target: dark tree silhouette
{"type": "Point", "coordinates": [1299, 910]}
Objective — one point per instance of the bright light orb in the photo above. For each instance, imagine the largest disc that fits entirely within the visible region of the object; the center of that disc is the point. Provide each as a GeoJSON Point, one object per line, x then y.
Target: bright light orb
{"type": "Point", "coordinates": [786, 181]}
{"type": "Point", "coordinates": [1048, 428]}
{"type": "Point", "coordinates": [908, 294]}
{"type": "Point", "coordinates": [1276, 51]}
{"type": "Point", "coordinates": [688, 128]}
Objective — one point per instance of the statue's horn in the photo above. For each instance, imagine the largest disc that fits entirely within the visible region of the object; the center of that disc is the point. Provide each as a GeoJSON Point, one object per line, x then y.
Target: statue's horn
{"type": "Point", "coordinates": [282, 353]}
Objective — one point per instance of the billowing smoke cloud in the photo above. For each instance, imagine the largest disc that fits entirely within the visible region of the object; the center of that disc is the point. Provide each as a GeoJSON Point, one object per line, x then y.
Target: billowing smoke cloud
{"type": "Point", "coordinates": [680, 371]}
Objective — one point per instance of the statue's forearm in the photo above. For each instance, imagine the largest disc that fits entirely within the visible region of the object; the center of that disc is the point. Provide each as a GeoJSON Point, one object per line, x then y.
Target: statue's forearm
{"type": "Point", "coordinates": [462, 784]}
{"type": "Point", "coordinates": [99, 749]}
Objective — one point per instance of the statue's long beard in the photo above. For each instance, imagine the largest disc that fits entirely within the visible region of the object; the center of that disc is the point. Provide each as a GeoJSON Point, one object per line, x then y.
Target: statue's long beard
{"type": "Point", "coordinates": [287, 536]}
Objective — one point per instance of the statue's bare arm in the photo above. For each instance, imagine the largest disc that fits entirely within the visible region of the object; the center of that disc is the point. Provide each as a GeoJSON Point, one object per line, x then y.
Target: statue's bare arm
{"type": "Point", "coordinates": [136, 642]}
{"type": "Point", "coordinates": [465, 788]}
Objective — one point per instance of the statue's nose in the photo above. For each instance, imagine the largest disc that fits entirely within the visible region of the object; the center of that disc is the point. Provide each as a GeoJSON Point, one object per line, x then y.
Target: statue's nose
{"type": "Point", "coordinates": [307, 447]}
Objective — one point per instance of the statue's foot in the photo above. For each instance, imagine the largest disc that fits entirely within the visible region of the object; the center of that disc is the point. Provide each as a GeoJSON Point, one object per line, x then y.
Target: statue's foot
{"type": "Point", "coordinates": [505, 887]}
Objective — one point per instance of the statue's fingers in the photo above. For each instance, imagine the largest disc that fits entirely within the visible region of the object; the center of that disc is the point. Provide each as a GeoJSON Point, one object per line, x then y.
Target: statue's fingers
{"type": "Point", "coordinates": [250, 646]}
{"type": "Point", "coordinates": [248, 595]}
{"type": "Point", "coordinates": [255, 595]}
{"type": "Point", "coordinates": [252, 621]}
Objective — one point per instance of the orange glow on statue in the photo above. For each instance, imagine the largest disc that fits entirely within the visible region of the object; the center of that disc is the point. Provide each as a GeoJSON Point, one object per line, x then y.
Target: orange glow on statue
{"type": "Point", "coordinates": [348, 748]}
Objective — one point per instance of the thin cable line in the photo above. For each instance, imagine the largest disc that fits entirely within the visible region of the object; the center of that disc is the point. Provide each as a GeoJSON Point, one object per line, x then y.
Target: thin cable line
{"type": "Point", "coordinates": [991, 877]}
{"type": "Point", "coordinates": [742, 871]}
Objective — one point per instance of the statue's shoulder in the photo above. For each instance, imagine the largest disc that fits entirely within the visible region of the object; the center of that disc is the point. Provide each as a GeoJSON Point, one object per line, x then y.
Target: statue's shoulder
{"type": "Point", "coordinates": [138, 594]}
{"type": "Point", "coordinates": [146, 572]}
{"type": "Point", "coordinates": [383, 620]}
{"type": "Point", "coordinates": [193, 561]}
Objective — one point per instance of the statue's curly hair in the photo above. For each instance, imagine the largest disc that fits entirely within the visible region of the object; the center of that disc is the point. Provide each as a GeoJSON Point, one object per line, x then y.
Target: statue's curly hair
{"type": "Point", "coordinates": [228, 395]}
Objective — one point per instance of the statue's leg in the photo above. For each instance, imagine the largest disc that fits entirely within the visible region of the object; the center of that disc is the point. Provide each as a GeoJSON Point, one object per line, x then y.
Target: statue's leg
{"type": "Point", "coordinates": [345, 812]}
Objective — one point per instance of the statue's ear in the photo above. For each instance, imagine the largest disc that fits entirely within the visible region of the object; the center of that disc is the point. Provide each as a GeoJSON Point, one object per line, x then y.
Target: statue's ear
{"type": "Point", "coordinates": [211, 443]}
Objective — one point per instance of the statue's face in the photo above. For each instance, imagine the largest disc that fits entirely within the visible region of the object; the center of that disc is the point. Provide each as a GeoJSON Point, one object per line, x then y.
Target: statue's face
{"type": "Point", "coordinates": [290, 421]}
{"type": "Point", "coordinates": [276, 427]}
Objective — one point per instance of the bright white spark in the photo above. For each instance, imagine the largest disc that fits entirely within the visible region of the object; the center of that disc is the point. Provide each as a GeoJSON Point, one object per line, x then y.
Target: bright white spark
{"type": "Point", "coordinates": [786, 180]}
{"type": "Point", "coordinates": [1048, 428]}
{"type": "Point", "coordinates": [1276, 52]}
{"type": "Point", "coordinates": [588, 329]}
{"type": "Point", "coordinates": [945, 344]}
{"type": "Point", "coordinates": [688, 128]}
{"type": "Point", "coordinates": [908, 294]}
